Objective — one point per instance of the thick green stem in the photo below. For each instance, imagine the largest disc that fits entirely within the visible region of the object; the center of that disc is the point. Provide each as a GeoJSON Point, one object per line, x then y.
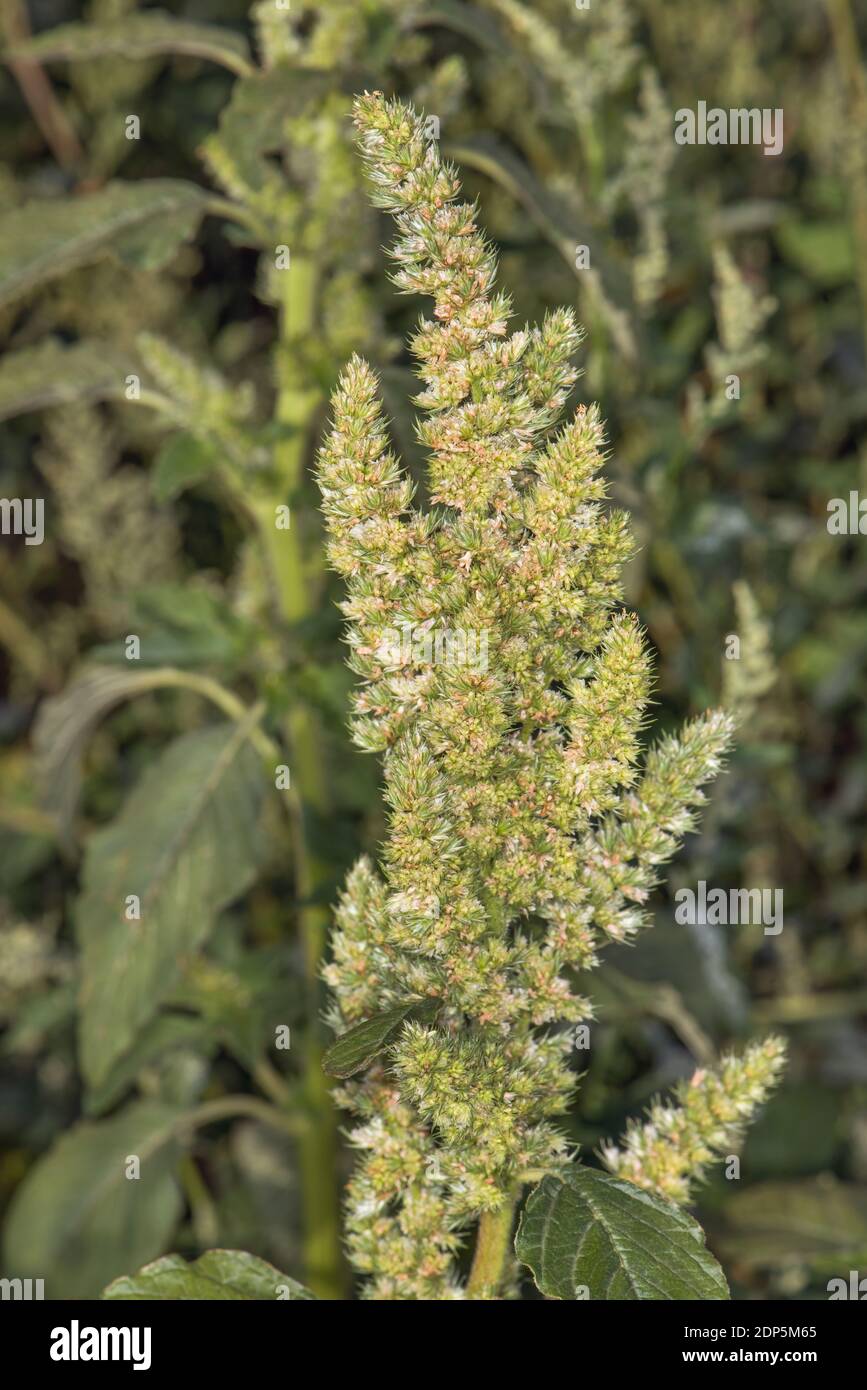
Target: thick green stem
{"type": "Point", "coordinates": [493, 1251]}
{"type": "Point", "coordinates": [493, 1239]}
{"type": "Point", "coordinates": [294, 571]}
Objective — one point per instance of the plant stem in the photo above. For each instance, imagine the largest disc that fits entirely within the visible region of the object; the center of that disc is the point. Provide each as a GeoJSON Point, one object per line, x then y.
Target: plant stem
{"type": "Point", "coordinates": [168, 676]}
{"type": "Point", "coordinates": [269, 1080]}
{"type": "Point", "coordinates": [229, 1107]}
{"type": "Point", "coordinates": [495, 1227]}
{"type": "Point", "coordinates": [47, 112]}
{"type": "Point", "coordinates": [293, 572]}
{"type": "Point", "coordinates": [203, 1213]}
{"type": "Point", "coordinates": [493, 1248]}
{"type": "Point", "coordinates": [845, 37]}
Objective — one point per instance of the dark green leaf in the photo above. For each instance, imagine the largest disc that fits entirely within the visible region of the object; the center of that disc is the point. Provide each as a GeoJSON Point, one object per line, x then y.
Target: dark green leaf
{"type": "Point", "coordinates": [21, 855]}
{"type": "Point", "coordinates": [254, 122]}
{"type": "Point", "coordinates": [779, 1145]}
{"type": "Point", "coordinates": [241, 1002]}
{"type": "Point", "coordinates": [50, 237]}
{"type": "Point", "coordinates": [468, 20]}
{"type": "Point", "coordinates": [181, 463]}
{"type": "Point", "coordinates": [39, 1019]}
{"type": "Point", "coordinates": [164, 1034]}
{"type": "Point", "coordinates": [54, 373]}
{"type": "Point", "coordinates": [64, 724]}
{"type": "Point", "coordinates": [181, 626]}
{"type": "Point", "coordinates": [358, 1046]}
{"type": "Point", "coordinates": [819, 1223]}
{"type": "Point", "coordinates": [139, 36]}
{"type": "Point", "coordinates": [587, 1231]}
{"type": "Point", "coordinates": [186, 843]}
{"type": "Point", "coordinates": [821, 250]}
{"type": "Point", "coordinates": [216, 1275]}
{"type": "Point", "coordinates": [78, 1221]}
{"type": "Point", "coordinates": [153, 243]}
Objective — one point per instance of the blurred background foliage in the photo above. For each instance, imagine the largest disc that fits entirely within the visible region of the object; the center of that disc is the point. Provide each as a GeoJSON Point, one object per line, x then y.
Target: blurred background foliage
{"type": "Point", "coordinates": [704, 261]}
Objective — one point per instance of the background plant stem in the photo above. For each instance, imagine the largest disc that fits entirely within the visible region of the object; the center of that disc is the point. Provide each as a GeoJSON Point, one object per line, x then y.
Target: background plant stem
{"type": "Point", "coordinates": [294, 569]}
{"type": "Point", "coordinates": [845, 36]}
{"type": "Point", "coordinates": [47, 112]}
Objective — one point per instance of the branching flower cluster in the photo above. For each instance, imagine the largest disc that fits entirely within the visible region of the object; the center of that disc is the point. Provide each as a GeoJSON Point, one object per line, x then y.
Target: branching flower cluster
{"type": "Point", "coordinates": [526, 828]}
{"type": "Point", "coordinates": [676, 1143]}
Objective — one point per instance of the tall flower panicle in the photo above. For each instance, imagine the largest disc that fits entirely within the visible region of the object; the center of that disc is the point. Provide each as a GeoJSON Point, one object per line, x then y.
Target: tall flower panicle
{"type": "Point", "coordinates": [525, 828]}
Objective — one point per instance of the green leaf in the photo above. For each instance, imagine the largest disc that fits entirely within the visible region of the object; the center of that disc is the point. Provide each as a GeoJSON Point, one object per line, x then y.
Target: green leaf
{"type": "Point", "coordinates": [468, 20]}
{"type": "Point", "coordinates": [253, 124]}
{"type": "Point", "coordinates": [779, 1145]}
{"type": "Point", "coordinates": [589, 1231]}
{"type": "Point", "coordinates": [164, 1034]}
{"type": "Point", "coordinates": [64, 725]}
{"type": "Point", "coordinates": [821, 250]}
{"type": "Point", "coordinates": [54, 373]}
{"type": "Point", "coordinates": [186, 843]}
{"type": "Point", "coordinates": [181, 463]}
{"type": "Point", "coordinates": [240, 1002]}
{"type": "Point", "coordinates": [78, 1221]}
{"type": "Point", "coordinates": [151, 244]}
{"type": "Point", "coordinates": [47, 238]}
{"type": "Point", "coordinates": [42, 1019]}
{"type": "Point", "coordinates": [216, 1275]}
{"type": "Point", "coordinates": [182, 626]}
{"type": "Point", "coordinates": [139, 36]}
{"type": "Point", "coordinates": [820, 1223]}
{"type": "Point", "coordinates": [22, 855]}
{"type": "Point", "coordinates": [358, 1046]}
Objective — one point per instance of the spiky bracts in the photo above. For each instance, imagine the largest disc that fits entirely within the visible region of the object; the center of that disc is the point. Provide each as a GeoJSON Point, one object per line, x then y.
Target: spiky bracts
{"type": "Point", "coordinates": [508, 696]}
{"type": "Point", "coordinates": [678, 1140]}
